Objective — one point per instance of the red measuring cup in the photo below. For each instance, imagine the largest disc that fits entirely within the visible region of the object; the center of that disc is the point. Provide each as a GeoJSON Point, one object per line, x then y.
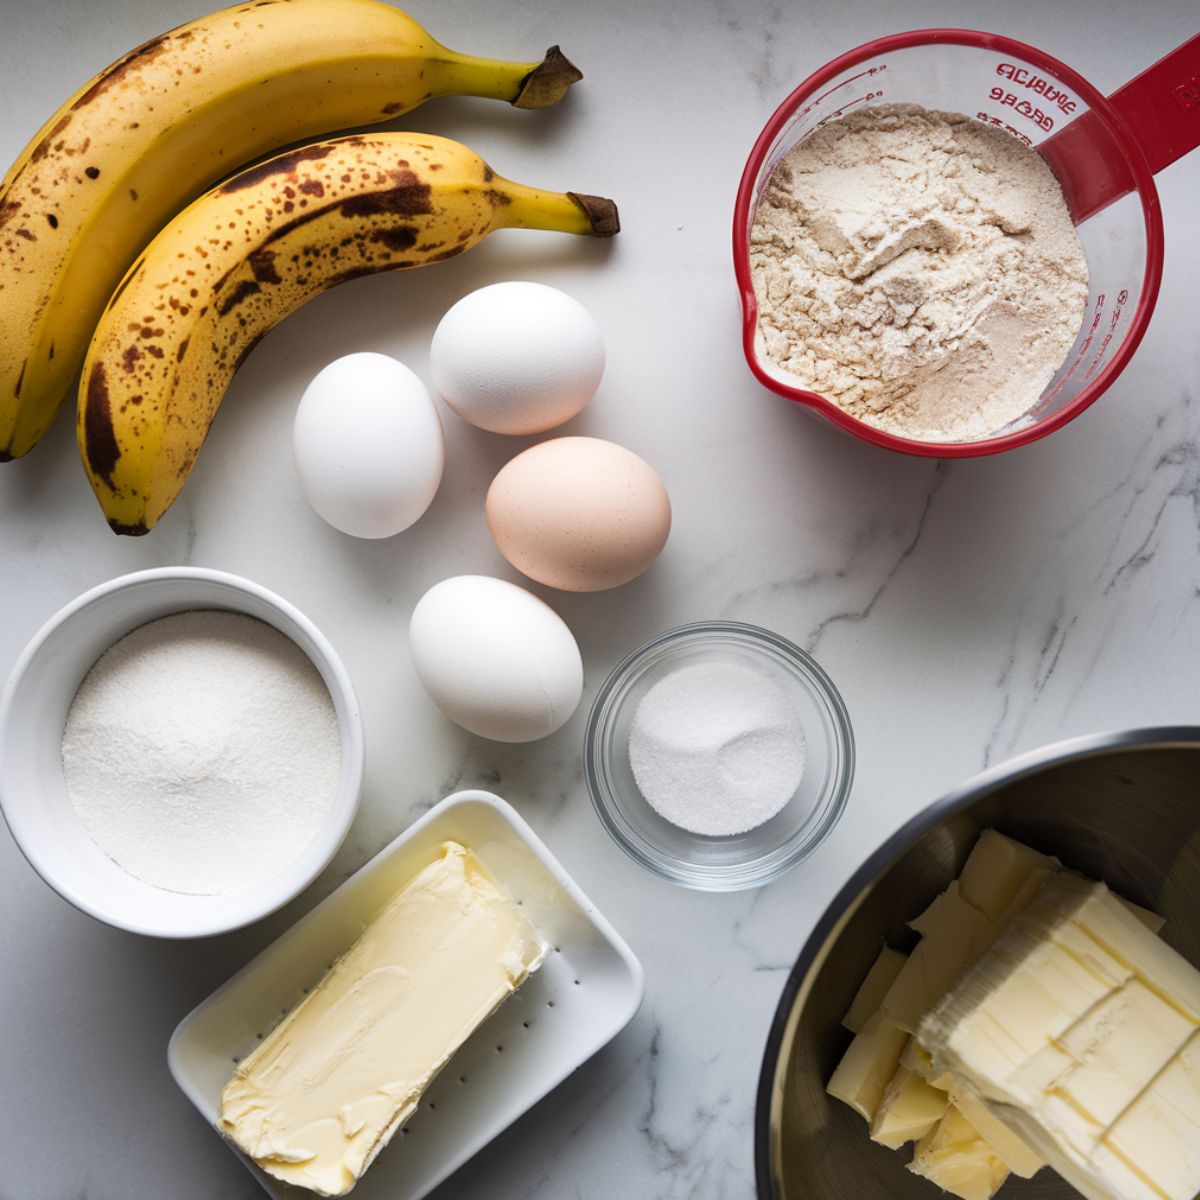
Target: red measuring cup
{"type": "Point", "coordinates": [1103, 149]}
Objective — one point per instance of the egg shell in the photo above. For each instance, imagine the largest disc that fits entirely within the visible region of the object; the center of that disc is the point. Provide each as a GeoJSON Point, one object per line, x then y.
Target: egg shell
{"type": "Point", "coordinates": [579, 514]}
{"type": "Point", "coordinates": [495, 659]}
{"type": "Point", "coordinates": [368, 445]}
{"type": "Point", "coordinates": [517, 357]}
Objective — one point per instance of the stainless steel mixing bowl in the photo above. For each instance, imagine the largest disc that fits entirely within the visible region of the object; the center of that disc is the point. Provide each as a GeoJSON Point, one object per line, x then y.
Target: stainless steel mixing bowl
{"type": "Point", "coordinates": [1122, 807]}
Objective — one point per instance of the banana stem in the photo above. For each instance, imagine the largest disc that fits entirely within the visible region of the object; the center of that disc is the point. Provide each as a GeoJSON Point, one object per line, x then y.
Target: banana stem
{"type": "Point", "coordinates": [524, 85]}
{"type": "Point", "coordinates": [566, 212]}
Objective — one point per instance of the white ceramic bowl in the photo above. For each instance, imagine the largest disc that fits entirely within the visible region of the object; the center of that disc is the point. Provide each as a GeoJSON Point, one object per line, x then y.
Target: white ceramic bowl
{"type": "Point", "coordinates": [33, 713]}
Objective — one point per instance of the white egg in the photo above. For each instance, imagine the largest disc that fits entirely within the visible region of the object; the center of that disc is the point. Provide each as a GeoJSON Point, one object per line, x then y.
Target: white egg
{"type": "Point", "coordinates": [517, 358]}
{"type": "Point", "coordinates": [368, 445]}
{"type": "Point", "coordinates": [495, 658]}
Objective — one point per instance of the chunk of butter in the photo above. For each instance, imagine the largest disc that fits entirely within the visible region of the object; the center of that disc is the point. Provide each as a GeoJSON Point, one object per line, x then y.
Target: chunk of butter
{"type": "Point", "coordinates": [1018, 1157]}
{"type": "Point", "coordinates": [996, 871]}
{"type": "Point", "coordinates": [956, 934]}
{"type": "Point", "coordinates": [870, 995]}
{"type": "Point", "coordinates": [326, 1090]}
{"type": "Point", "coordinates": [958, 1160]}
{"type": "Point", "coordinates": [868, 1066]}
{"type": "Point", "coordinates": [910, 1108]}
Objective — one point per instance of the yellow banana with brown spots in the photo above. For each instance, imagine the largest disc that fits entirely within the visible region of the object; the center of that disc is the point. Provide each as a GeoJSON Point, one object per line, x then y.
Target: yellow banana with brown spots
{"type": "Point", "coordinates": [167, 121]}
{"type": "Point", "coordinates": [230, 267]}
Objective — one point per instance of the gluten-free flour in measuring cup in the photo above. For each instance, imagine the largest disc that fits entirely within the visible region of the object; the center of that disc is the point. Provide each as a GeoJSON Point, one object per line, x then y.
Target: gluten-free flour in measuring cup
{"type": "Point", "coordinates": [202, 752]}
{"type": "Point", "coordinates": [918, 269]}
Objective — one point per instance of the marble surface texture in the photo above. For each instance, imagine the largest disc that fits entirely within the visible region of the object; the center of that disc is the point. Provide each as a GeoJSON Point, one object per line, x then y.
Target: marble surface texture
{"type": "Point", "coordinates": [967, 611]}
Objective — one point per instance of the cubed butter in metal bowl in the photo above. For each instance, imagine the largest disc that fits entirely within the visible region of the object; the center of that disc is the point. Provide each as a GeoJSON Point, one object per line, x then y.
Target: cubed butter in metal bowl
{"type": "Point", "coordinates": [1120, 807]}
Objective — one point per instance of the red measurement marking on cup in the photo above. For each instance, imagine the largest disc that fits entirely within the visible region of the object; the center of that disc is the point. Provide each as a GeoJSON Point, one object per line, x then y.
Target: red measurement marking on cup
{"type": "Point", "coordinates": [1046, 88]}
{"type": "Point", "coordinates": [837, 112]}
{"type": "Point", "coordinates": [1000, 123]}
{"type": "Point", "coordinates": [1023, 108]}
{"type": "Point", "coordinates": [817, 100]}
{"type": "Point", "coordinates": [1079, 357]}
{"type": "Point", "coordinates": [1122, 297]}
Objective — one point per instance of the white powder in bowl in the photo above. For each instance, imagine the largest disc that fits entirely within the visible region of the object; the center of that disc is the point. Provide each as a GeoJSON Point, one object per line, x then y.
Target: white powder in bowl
{"type": "Point", "coordinates": [716, 748]}
{"type": "Point", "coordinates": [202, 753]}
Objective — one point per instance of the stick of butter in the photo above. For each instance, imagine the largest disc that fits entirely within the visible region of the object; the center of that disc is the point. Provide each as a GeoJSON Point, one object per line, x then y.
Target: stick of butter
{"type": "Point", "coordinates": [956, 935]}
{"type": "Point", "coordinates": [870, 994]}
{"type": "Point", "coordinates": [868, 1066]}
{"type": "Point", "coordinates": [326, 1090]}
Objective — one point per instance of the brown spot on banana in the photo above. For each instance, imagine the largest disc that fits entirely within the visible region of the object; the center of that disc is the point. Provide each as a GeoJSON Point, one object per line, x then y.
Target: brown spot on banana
{"type": "Point", "coordinates": [102, 448]}
{"type": "Point", "coordinates": [262, 264]}
{"type": "Point", "coordinates": [206, 312]}
{"type": "Point", "coordinates": [134, 60]}
{"type": "Point", "coordinates": [244, 289]}
{"type": "Point", "coordinates": [283, 164]}
{"type": "Point", "coordinates": [47, 143]}
{"type": "Point", "coordinates": [402, 237]}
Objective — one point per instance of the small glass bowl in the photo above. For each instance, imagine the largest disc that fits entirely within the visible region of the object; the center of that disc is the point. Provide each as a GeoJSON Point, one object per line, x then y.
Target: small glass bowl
{"type": "Point", "coordinates": [743, 860]}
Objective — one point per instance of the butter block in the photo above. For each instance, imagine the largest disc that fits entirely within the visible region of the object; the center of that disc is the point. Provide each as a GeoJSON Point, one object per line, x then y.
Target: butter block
{"type": "Point", "coordinates": [1014, 1003]}
{"type": "Point", "coordinates": [1159, 1133]}
{"type": "Point", "coordinates": [1079, 1030]}
{"type": "Point", "coordinates": [1117, 1049]}
{"type": "Point", "coordinates": [1121, 1180]}
{"type": "Point", "coordinates": [1108, 924]}
{"type": "Point", "coordinates": [958, 1160]}
{"type": "Point", "coordinates": [329, 1086]}
{"type": "Point", "coordinates": [1017, 1156]}
{"type": "Point", "coordinates": [996, 871]}
{"type": "Point", "coordinates": [956, 934]}
{"type": "Point", "coordinates": [1152, 920]}
{"type": "Point", "coordinates": [868, 1066]}
{"type": "Point", "coordinates": [870, 994]}
{"type": "Point", "coordinates": [910, 1108]}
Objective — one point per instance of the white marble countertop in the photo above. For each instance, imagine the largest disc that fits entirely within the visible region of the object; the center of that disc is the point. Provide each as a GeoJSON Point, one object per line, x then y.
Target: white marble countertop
{"type": "Point", "coordinates": [965, 611]}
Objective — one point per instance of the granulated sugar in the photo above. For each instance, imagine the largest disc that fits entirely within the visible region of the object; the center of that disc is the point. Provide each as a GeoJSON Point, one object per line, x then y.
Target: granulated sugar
{"type": "Point", "coordinates": [716, 748]}
{"type": "Point", "coordinates": [202, 752]}
{"type": "Point", "coordinates": [920, 270]}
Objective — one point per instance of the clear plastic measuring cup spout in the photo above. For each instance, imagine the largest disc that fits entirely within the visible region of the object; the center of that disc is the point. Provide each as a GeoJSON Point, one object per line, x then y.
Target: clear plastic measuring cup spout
{"type": "Point", "coordinates": [1105, 151]}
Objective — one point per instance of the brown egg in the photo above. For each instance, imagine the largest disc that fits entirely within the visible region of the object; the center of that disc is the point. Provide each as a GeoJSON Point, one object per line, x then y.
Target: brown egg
{"type": "Point", "coordinates": [579, 514]}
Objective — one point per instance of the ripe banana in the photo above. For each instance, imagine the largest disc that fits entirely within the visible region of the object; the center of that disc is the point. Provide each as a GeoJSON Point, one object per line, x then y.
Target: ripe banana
{"type": "Point", "coordinates": [249, 252]}
{"type": "Point", "coordinates": [149, 134]}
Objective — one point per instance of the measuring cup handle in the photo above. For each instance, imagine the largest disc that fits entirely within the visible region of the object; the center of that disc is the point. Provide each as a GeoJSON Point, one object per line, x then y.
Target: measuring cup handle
{"type": "Point", "coordinates": [1162, 106]}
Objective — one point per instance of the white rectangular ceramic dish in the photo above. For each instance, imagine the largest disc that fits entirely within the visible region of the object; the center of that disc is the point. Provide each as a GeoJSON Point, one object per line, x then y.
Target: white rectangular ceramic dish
{"type": "Point", "coordinates": [585, 993]}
